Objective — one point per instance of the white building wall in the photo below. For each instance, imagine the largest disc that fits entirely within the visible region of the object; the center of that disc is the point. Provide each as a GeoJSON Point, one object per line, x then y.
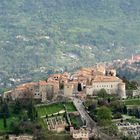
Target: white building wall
{"type": "Point", "coordinates": [68, 90]}
{"type": "Point", "coordinates": [81, 135]}
{"type": "Point", "coordinates": [89, 90]}
{"type": "Point", "coordinates": [122, 91]}
{"type": "Point", "coordinates": [110, 87]}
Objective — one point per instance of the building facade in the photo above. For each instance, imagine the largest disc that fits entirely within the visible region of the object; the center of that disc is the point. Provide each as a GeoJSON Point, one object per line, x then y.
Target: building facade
{"type": "Point", "coordinates": [112, 85]}
{"type": "Point", "coordinates": [42, 91]}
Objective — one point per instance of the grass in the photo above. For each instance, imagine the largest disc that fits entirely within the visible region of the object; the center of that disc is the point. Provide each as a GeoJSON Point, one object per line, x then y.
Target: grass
{"type": "Point", "coordinates": [43, 110]}
{"type": "Point", "coordinates": [9, 120]}
{"type": "Point", "coordinates": [132, 102]}
{"type": "Point", "coordinates": [70, 107]}
{"type": "Point", "coordinates": [42, 123]}
{"type": "Point", "coordinates": [15, 118]}
{"type": "Point", "coordinates": [50, 109]}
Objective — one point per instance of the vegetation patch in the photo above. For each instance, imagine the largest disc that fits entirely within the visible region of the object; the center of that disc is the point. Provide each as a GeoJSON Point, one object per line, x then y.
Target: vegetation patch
{"type": "Point", "coordinates": [70, 107]}
{"type": "Point", "coordinates": [54, 108]}
{"type": "Point", "coordinates": [132, 102]}
{"type": "Point", "coordinates": [76, 121]}
{"type": "Point", "coordinates": [50, 109]}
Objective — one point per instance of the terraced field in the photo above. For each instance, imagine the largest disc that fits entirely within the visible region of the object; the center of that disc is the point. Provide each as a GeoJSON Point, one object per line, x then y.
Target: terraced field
{"type": "Point", "coordinates": [55, 108]}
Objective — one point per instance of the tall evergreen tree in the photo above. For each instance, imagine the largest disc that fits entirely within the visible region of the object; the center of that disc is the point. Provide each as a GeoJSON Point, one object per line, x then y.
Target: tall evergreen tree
{"type": "Point", "coordinates": [4, 121]}
{"type": "Point", "coordinates": [31, 111]}
{"type": "Point", "coordinates": [79, 88]}
{"type": "Point", "coordinates": [17, 107]}
{"type": "Point", "coordinates": [5, 110]}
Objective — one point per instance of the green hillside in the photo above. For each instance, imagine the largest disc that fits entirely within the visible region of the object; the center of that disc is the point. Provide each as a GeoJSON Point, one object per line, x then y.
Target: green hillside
{"type": "Point", "coordinates": [36, 33]}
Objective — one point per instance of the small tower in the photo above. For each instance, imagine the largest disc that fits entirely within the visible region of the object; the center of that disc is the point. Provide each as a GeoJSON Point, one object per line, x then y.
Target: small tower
{"type": "Point", "coordinates": [132, 58]}
{"type": "Point", "coordinates": [121, 90]}
{"type": "Point", "coordinates": [68, 89]}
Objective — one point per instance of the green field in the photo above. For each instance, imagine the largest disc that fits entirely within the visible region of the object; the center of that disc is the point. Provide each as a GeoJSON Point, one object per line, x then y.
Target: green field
{"type": "Point", "coordinates": [43, 110]}
{"type": "Point", "coordinates": [70, 107]}
{"type": "Point", "coordinates": [132, 102]}
{"type": "Point", "coordinates": [50, 109]}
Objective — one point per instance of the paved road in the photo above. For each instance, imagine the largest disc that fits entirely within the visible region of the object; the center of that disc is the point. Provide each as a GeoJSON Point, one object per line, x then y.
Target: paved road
{"type": "Point", "coordinates": [90, 124]}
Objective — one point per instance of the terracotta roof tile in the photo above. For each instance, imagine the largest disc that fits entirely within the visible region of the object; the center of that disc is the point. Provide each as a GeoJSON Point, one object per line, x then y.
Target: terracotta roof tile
{"type": "Point", "coordinates": [106, 79]}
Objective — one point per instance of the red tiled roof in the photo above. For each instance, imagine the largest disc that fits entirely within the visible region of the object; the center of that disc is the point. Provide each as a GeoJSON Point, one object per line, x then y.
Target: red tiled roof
{"type": "Point", "coordinates": [106, 79]}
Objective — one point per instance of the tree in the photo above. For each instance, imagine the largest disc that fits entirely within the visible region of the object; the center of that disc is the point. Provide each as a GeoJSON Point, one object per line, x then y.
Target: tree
{"type": "Point", "coordinates": [117, 116]}
{"type": "Point", "coordinates": [113, 130]}
{"type": "Point", "coordinates": [130, 85]}
{"type": "Point", "coordinates": [61, 85]}
{"type": "Point", "coordinates": [15, 128]}
{"type": "Point", "coordinates": [133, 85]}
{"type": "Point", "coordinates": [79, 88]}
{"type": "Point", "coordinates": [104, 116]}
{"type": "Point", "coordinates": [4, 121]}
{"type": "Point", "coordinates": [17, 107]}
{"type": "Point", "coordinates": [5, 110]}
{"type": "Point", "coordinates": [118, 106]}
{"type": "Point", "coordinates": [7, 137]}
{"type": "Point", "coordinates": [102, 93]}
{"type": "Point", "coordinates": [31, 111]}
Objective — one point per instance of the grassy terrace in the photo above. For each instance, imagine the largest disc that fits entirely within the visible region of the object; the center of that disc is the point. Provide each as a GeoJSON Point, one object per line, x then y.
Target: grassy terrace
{"type": "Point", "coordinates": [70, 107]}
{"type": "Point", "coordinates": [50, 109]}
{"type": "Point", "coordinates": [132, 101]}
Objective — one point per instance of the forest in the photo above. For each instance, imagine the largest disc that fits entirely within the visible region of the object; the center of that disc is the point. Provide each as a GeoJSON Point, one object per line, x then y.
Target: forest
{"type": "Point", "coordinates": [66, 33]}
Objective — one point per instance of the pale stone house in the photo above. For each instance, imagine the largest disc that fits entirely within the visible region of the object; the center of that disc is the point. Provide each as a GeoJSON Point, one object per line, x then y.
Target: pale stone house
{"type": "Point", "coordinates": [81, 134]}
{"type": "Point", "coordinates": [112, 84]}
{"type": "Point", "coordinates": [21, 137]}
{"type": "Point", "coordinates": [37, 90]}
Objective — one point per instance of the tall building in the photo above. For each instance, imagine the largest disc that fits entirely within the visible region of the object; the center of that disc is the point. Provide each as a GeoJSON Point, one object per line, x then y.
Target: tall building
{"type": "Point", "coordinates": [68, 89]}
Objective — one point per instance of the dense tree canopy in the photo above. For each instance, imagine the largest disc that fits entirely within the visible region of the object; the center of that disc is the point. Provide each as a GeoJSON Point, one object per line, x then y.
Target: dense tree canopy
{"type": "Point", "coordinates": [104, 116]}
{"type": "Point", "coordinates": [66, 32]}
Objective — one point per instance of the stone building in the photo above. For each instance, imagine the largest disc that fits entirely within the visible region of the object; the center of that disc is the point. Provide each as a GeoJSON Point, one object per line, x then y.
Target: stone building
{"type": "Point", "coordinates": [112, 84]}
{"type": "Point", "coordinates": [21, 137]}
{"type": "Point", "coordinates": [81, 134]}
{"type": "Point", "coordinates": [68, 89]}
{"type": "Point", "coordinates": [42, 91]}
{"type": "Point", "coordinates": [61, 77]}
{"type": "Point", "coordinates": [93, 79]}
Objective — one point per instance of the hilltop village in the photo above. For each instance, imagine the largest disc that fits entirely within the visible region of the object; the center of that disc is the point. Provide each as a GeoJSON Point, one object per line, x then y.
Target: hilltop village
{"type": "Point", "coordinates": [84, 82]}
{"type": "Point", "coordinates": [89, 103]}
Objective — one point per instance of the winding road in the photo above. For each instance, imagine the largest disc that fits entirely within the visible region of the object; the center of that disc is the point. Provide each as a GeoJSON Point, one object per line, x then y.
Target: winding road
{"type": "Point", "coordinates": [90, 123]}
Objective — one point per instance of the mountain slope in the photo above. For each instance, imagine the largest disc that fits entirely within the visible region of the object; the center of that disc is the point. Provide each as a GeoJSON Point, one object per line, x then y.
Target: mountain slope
{"type": "Point", "coordinates": [62, 33]}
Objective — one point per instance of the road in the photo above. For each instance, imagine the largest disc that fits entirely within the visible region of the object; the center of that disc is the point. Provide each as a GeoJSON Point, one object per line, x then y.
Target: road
{"type": "Point", "coordinates": [90, 123]}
